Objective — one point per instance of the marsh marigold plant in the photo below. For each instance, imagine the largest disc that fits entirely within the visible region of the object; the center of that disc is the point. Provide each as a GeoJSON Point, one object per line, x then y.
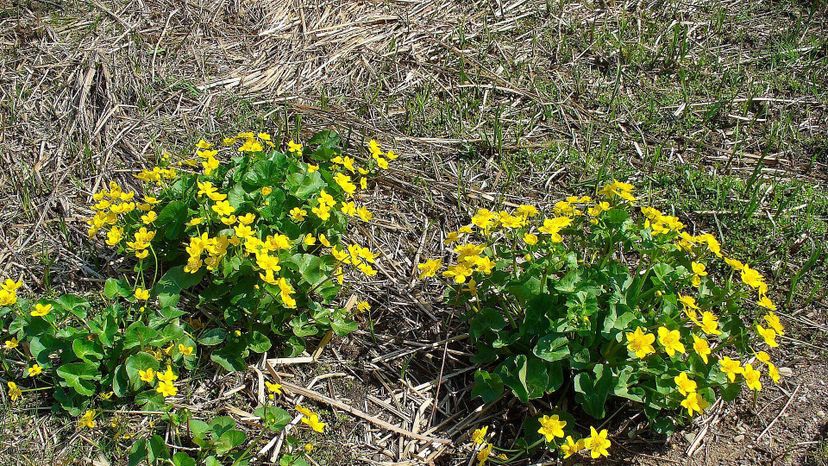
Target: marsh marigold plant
{"type": "Point", "coordinates": [605, 298]}
{"type": "Point", "coordinates": [237, 245]}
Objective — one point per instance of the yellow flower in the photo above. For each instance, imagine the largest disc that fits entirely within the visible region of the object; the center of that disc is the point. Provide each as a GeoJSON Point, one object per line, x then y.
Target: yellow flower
{"type": "Point", "coordinates": [223, 208]}
{"type": "Point", "coordinates": [483, 454]}
{"type": "Point", "coordinates": [14, 391]}
{"type": "Point", "coordinates": [768, 334]}
{"type": "Point", "coordinates": [348, 208]}
{"type": "Point", "coordinates": [530, 239]}
{"type": "Point", "coordinates": [479, 435]}
{"type": "Point", "coordinates": [210, 165]}
{"type": "Point", "coordinates": [429, 268]}
{"type": "Point", "coordinates": [322, 211]}
{"type": "Point", "coordinates": [285, 292]}
{"type": "Point", "coordinates": [773, 322]}
{"type": "Point", "coordinates": [459, 272]}
{"type": "Point", "coordinates": [185, 350]}
{"type": "Point", "coordinates": [701, 347]}
{"type": "Point", "coordinates": [710, 323]}
{"type": "Point", "coordinates": [202, 144]}
{"type": "Point", "coordinates": [640, 342]}
{"type": "Point", "coordinates": [294, 147]}
{"type": "Point", "coordinates": [571, 447]}
{"type": "Point", "coordinates": [597, 443]}
{"type": "Point", "coordinates": [247, 218]}
{"type": "Point", "coordinates": [11, 343]}
{"type": "Point", "coordinates": [484, 219]}
{"type": "Point", "coordinates": [195, 221]}
{"type": "Point", "coordinates": [551, 427]}
{"type": "Point", "coordinates": [35, 370]}
{"type": "Point", "coordinates": [41, 310]}
{"type": "Point", "coordinates": [324, 240]}
{"type": "Point", "coordinates": [730, 367]}
{"type": "Point", "coordinates": [684, 384]}
{"type": "Point", "coordinates": [694, 403]}
{"type": "Point", "coordinates": [363, 306]}
{"type": "Point", "coordinates": [266, 190]}
{"type": "Point", "coordinates": [298, 214]}
{"type": "Point", "coordinates": [277, 242]}
{"type": "Point", "coordinates": [141, 294]}
{"type": "Point", "coordinates": [752, 277]}
{"type": "Point", "coordinates": [308, 447]}
{"type": "Point", "coordinates": [526, 210]}
{"type": "Point", "coordinates": [114, 236]}
{"type": "Point", "coordinates": [87, 420]}
{"type": "Point", "coordinates": [142, 254]}
{"type": "Point", "coordinates": [312, 168]}
{"type": "Point", "coordinates": [243, 231]}
{"type": "Point", "coordinates": [773, 372]}
{"type": "Point", "coordinates": [149, 217]}
{"type": "Point", "coordinates": [309, 240]}
{"type": "Point", "coordinates": [598, 208]}
{"type": "Point", "coordinates": [344, 182]}
{"type": "Point", "coordinates": [274, 387]}
{"type": "Point", "coordinates": [147, 375]}
{"type": "Point", "coordinates": [765, 302]}
{"type": "Point", "coordinates": [618, 189]}
{"type": "Point", "coordinates": [364, 214]}
{"type": "Point", "coordinates": [735, 264]}
{"type": "Point", "coordinates": [752, 377]}
{"type": "Point", "coordinates": [167, 376]}
{"type": "Point", "coordinates": [553, 226]}
{"type": "Point", "coordinates": [670, 340]}
{"type": "Point", "coordinates": [311, 419]}
{"type": "Point", "coordinates": [167, 389]}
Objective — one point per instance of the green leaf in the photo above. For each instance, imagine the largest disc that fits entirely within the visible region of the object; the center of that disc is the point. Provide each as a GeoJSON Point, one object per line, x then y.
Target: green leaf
{"type": "Point", "coordinates": [273, 417]}
{"type": "Point", "coordinates": [343, 326]}
{"type": "Point", "coordinates": [139, 362]}
{"type": "Point", "coordinates": [117, 288]}
{"type": "Point", "coordinates": [264, 173]}
{"type": "Point", "coordinates": [303, 186]}
{"type": "Point", "coordinates": [120, 382]}
{"type": "Point", "coordinates": [79, 376]}
{"type": "Point", "coordinates": [89, 351]}
{"type": "Point", "coordinates": [552, 347]}
{"type": "Point", "coordinates": [212, 337]}
{"type": "Point", "coordinates": [527, 377]}
{"type": "Point", "coordinates": [138, 452]}
{"type": "Point", "coordinates": [301, 327]}
{"type": "Point", "coordinates": [171, 220]}
{"type": "Point", "coordinates": [311, 267]}
{"type": "Point", "coordinates": [138, 334]}
{"type": "Point", "coordinates": [487, 386]}
{"type": "Point", "coordinates": [325, 138]}
{"type": "Point", "coordinates": [259, 343]}
{"type": "Point", "coordinates": [230, 358]}
{"type": "Point", "coordinates": [75, 305]}
{"type": "Point", "coordinates": [591, 390]}
{"type": "Point", "coordinates": [170, 285]}
{"type": "Point", "coordinates": [199, 430]}
{"type": "Point", "coordinates": [183, 459]}
{"type": "Point", "coordinates": [157, 449]}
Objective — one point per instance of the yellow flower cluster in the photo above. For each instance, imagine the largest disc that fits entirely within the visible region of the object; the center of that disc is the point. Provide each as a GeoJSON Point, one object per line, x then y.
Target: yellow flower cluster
{"type": "Point", "coordinates": [552, 427]}
{"type": "Point", "coordinates": [165, 384]}
{"type": "Point", "coordinates": [8, 291]}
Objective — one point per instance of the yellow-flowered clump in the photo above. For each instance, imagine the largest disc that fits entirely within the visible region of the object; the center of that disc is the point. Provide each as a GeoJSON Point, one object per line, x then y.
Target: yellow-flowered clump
{"type": "Point", "coordinates": [619, 297]}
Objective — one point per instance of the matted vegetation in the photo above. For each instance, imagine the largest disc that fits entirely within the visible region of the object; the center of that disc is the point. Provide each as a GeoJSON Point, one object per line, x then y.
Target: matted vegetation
{"type": "Point", "coordinates": [715, 111]}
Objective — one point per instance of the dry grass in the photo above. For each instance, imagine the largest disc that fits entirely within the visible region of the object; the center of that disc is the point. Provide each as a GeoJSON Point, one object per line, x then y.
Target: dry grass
{"type": "Point", "coordinates": [519, 100]}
